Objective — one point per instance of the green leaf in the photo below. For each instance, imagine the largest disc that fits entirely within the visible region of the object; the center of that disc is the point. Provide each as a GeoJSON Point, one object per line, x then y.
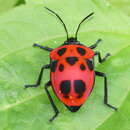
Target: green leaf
{"type": "Point", "coordinates": [34, 2]}
{"type": "Point", "coordinates": [7, 4]}
{"type": "Point", "coordinates": [20, 63]}
{"type": "Point", "coordinates": [123, 5]}
{"type": "Point", "coordinates": [121, 119]}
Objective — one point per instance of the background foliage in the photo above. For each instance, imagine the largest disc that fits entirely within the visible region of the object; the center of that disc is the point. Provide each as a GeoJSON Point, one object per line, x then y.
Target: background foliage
{"type": "Point", "coordinates": [24, 22]}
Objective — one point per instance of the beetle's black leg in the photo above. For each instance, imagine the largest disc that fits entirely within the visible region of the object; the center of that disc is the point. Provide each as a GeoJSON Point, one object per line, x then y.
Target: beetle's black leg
{"type": "Point", "coordinates": [95, 44]}
{"type": "Point", "coordinates": [99, 56]}
{"type": "Point", "coordinates": [105, 89]}
{"type": "Point", "coordinates": [51, 101]}
{"type": "Point", "coordinates": [42, 47]}
{"type": "Point", "coordinates": [40, 77]}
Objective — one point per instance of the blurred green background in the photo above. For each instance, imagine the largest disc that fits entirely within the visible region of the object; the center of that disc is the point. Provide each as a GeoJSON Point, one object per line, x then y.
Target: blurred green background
{"type": "Point", "coordinates": [23, 22]}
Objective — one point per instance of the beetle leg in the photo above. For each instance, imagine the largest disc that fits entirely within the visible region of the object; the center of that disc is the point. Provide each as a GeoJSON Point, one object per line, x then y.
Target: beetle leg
{"type": "Point", "coordinates": [95, 44]}
{"type": "Point", "coordinates": [51, 101]}
{"type": "Point", "coordinates": [99, 56]}
{"type": "Point", "coordinates": [40, 77]}
{"type": "Point", "coordinates": [42, 47]}
{"type": "Point", "coordinates": [105, 89]}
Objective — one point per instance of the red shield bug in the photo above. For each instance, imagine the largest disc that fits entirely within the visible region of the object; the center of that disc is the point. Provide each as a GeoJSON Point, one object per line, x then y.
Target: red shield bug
{"type": "Point", "coordinates": [72, 73]}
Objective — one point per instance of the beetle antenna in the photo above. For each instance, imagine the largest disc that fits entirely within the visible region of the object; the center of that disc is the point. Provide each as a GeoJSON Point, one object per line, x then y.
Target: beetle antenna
{"type": "Point", "coordinates": [81, 23]}
{"type": "Point", "coordinates": [60, 20]}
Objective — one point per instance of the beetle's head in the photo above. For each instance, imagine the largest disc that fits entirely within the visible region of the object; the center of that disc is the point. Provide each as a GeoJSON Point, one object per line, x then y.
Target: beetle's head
{"type": "Point", "coordinates": [71, 40]}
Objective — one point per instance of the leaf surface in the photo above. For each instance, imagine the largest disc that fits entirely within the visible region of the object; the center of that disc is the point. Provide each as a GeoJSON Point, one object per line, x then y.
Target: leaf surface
{"type": "Point", "coordinates": [20, 63]}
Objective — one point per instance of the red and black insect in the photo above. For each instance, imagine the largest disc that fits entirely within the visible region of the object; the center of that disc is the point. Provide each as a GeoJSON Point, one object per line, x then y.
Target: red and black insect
{"type": "Point", "coordinates": [72, 73]}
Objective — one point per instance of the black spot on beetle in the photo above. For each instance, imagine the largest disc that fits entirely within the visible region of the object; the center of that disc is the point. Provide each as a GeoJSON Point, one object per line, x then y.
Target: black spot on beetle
{"type": "Point", "coordinates": [81, 51]}
{"type": "Point", "coordinates": [66, 96]}
{"type": "Point", "coordinates": [61, 51]}
{"type": "Point", "coordinates": [65, 86]}
{"type": "Point", "coordinates": [61, 67]}
{"type": "Point", "coordinates": [79, 87]}
{"type": "Point", "coordinates": [54, 66]}
{"type": "Point", "coordinates": [71, 60]}
{"type": "Point", "coordinates": [90, 64]}
{"type": "Point", "coordinates": [82, 67]}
